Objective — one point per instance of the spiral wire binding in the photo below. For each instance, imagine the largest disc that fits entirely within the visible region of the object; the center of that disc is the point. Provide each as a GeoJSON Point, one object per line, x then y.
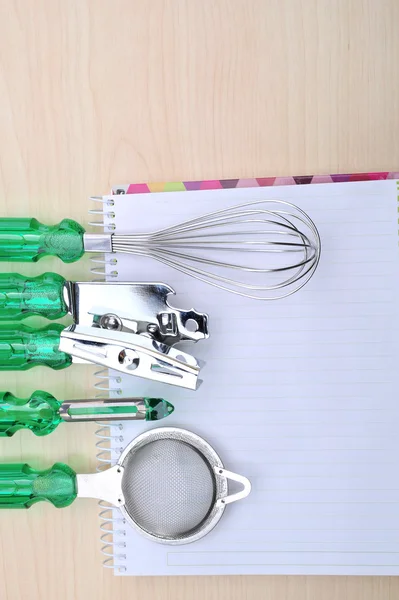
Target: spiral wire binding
{"type": "Point", "coordinates": [113, 525]}
{"type": "Point", "coordinates": [108, 434]}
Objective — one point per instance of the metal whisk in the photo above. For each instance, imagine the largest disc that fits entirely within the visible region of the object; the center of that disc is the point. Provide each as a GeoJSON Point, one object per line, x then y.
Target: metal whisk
{"type": "Point", "coordinates": [262, 249]}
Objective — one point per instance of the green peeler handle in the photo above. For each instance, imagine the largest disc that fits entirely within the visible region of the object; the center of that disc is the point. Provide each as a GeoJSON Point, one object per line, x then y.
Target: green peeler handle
{"type": "Point", "coordinates": [23, 296]}
{"type": "Point", "coordinates": [21, 486]}
{"type": "Point", "coordinates": [27, 240]}
{"type": "Point", "coordinates": [39, 413]}
{"type": "Point", "coordinates": [22, 347]}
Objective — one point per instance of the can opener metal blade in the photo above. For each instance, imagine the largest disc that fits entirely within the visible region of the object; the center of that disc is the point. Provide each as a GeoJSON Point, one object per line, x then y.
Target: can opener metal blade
{"type": "Point", "coordinates": [129, 327]}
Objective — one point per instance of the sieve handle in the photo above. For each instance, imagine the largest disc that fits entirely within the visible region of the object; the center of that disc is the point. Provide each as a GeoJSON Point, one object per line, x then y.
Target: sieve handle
{"type": "Point", "coordinates": [21, 486]}
{"type": "Point", "coordinates": [243, 493]}
{"type": "Point", "coordinates": [23, 296]}
{"type": "Point", "coordinates": [27, 240]}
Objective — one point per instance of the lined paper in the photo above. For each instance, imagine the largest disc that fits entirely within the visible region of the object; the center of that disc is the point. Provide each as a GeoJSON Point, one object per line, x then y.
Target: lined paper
{"type": "Point", "coordinates": [300, 395]}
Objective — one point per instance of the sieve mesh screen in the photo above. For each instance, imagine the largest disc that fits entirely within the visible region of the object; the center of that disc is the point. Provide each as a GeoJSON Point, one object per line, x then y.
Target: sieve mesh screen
{"type": "Point", "coordinates": [169, 487]}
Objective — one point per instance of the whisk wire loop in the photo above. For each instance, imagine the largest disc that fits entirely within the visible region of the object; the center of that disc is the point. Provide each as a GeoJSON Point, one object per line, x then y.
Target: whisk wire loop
{"type": "Point", "coordinates": [237, 233]}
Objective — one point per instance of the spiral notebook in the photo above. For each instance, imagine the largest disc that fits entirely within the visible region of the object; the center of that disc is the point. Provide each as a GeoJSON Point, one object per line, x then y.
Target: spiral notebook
{"type": "Point", "coordinates": [300, 395]}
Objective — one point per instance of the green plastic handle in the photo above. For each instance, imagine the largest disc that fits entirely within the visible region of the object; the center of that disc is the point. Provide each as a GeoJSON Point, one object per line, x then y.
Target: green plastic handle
{"type": "Point", "coordinates": [27, 240]}
{"type": "Point", "coordinates": [22, 348]}
{"type": "Point", "coordinates": [21, 486]}
{"type": "Point", "coordinates": [23, 296]}
{"type": "Point", "coordinates": [39, 413]}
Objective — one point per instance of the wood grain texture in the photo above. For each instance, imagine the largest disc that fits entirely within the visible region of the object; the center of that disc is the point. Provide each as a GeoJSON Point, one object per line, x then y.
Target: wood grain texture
{"type": "Point", "coordinates": [94, 93]}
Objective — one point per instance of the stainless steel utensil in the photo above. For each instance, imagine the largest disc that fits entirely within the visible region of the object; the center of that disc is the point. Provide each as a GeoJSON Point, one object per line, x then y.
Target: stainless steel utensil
{"type": "Point", "coordinates": [169, 483]}
{"type": "Point", "coordinates": [261, 249]}
{"type": "Point", "coordinates": [129, 327]}
{"type": "Point", "coordinates": [42, 413]}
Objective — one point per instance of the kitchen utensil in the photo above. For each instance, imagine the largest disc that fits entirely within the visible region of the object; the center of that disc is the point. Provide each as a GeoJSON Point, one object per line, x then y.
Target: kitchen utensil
{"type": "Point", "coordinates": [42, 413]}
{"type": "Point", "coordinates": [129, 327]}
{"type": "Point", "coordinates": [139, 308]}
{"type": "Point", "coordinates": [226, 248]}
{"type": "Point", "coordinates": [169, 483]}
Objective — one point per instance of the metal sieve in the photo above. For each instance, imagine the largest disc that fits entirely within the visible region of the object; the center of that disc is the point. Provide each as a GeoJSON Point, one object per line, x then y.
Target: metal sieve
{"type": "Point", "coordinates": [170, 485]}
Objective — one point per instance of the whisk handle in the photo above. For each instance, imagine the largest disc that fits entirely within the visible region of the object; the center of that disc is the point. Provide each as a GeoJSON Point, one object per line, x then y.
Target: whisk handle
{"type": "Point", "coordinates": [21, 485]}
{"type": "Point", "coordinates": [23, 296]}
{"type": "Point", "coordinates": [27, 240]}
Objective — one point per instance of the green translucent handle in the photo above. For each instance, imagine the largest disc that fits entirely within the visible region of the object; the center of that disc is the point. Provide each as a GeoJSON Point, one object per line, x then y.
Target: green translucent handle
{"type": "Point", "coordinates": [39, 413]}
{"type": "Point", "coordinates": [21, 486]}
{"type": "Point", "coordinates": [22, 348]}
{"type": "Point", "coordinates": [27, 240]}
{"type": "Point", "coordinates": [22, 296]}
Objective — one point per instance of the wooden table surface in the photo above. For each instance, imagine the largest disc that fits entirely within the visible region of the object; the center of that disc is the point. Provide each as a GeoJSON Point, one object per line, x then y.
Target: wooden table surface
{"type": "Point", "coordinates": [100, 92]}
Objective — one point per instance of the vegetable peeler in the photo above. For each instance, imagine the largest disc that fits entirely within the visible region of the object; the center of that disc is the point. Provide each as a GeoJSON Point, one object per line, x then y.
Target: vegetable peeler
{"type": "Point", "coordinates": [42, 413]}
{"type": "Point", "coordinates": [129, 327]}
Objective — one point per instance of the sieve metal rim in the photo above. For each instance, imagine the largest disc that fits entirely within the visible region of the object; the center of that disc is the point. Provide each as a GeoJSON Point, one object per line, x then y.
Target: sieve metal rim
{"type": "Point", "coordinates": [215, 463]}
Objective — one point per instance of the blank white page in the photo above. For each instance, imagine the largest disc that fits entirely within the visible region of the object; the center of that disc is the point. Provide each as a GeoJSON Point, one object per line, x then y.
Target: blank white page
{"type": "Point", "coordinates": [300, 395]}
